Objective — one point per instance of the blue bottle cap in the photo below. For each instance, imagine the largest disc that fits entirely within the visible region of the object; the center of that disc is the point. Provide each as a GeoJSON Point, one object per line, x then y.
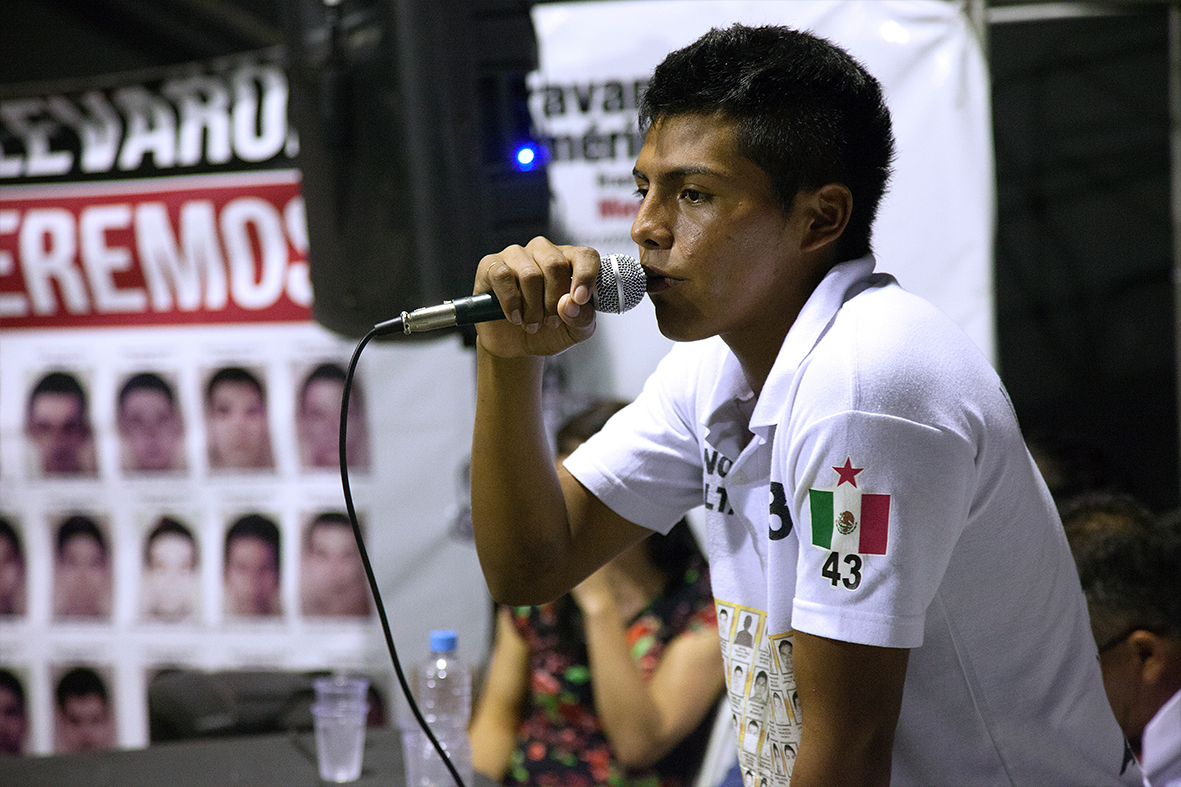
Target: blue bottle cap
{"type": "Point", "coordinates": [444, 640]}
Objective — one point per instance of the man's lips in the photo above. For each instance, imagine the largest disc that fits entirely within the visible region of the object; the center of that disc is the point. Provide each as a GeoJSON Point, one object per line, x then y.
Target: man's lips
{"type": "Point", "coordinates": [657, 281]}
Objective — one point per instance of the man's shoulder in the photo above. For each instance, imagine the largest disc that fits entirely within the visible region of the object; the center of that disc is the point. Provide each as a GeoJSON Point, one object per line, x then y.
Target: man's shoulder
{"type": "Point", "coordinates": [891, 328]}
{"type": "Point", "coordinates": [891, 352]}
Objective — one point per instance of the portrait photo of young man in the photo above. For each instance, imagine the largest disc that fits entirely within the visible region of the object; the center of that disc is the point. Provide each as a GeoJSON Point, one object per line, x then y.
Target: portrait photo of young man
{"type": "Point", "coordinates": [83, 574]}
{"type": "Point", "coordinates": [13, 574]}
{"type": "Point", "coordinates": [251, 569]}
{"type": "Point", "coordinates": [318, 420]}
{"type": "Point", "coordinates": [84, 716]}
{"type": "Point", "coordinates": [331, 576]}
{"type": "Point", "coordinates": [170, 589]}
{"type": "Point", "coordinates": [58, 427]}
{"type": "Point", "coordinates": [237, 424]}
{"type": "Point", "coordinates": [151, 429]}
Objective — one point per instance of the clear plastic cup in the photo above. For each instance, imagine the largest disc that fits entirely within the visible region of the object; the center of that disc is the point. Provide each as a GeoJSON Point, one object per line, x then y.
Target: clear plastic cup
{"type": "Point", "coordinates": [341, 689]}
{"type": "Point", "coordinates": [340, 739]}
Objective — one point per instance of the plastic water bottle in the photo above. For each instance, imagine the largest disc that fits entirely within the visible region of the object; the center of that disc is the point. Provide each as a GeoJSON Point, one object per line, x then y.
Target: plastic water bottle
{"type": "Point", "coordinates": [443, 691]}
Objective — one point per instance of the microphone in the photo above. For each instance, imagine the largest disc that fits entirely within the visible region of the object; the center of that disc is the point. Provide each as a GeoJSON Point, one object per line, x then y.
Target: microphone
{"type": "Point", "coordinates": [620, 286]}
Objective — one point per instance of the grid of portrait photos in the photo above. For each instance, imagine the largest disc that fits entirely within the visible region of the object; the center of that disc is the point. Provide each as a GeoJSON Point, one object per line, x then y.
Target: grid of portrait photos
{"type": "Point", "coordinates": [171, 499]}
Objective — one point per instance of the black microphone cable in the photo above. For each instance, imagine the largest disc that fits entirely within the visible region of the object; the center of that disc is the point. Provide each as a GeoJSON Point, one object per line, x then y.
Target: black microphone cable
{"type": "Point", "coordinates": [620, 285]}
{"type": "Point", "coordinates": [387, 327]}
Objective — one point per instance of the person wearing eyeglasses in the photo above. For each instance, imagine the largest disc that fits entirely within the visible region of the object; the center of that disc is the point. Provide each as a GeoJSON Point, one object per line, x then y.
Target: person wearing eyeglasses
{"type": "Point", "coordinates": [1132, 580]}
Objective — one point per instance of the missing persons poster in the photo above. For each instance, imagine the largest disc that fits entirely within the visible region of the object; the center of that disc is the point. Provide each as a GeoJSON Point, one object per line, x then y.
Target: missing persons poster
{"type": "Point", "coordinates": [170, 496]}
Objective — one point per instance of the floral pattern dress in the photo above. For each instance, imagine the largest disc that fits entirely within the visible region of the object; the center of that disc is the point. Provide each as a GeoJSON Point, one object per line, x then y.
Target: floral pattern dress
{"type": "Point", "coordinates": [561, 742]}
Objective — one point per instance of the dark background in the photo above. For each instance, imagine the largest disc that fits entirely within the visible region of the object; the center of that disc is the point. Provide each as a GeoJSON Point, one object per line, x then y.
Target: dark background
{"type": "Point", "coordinates": [1084, 296]}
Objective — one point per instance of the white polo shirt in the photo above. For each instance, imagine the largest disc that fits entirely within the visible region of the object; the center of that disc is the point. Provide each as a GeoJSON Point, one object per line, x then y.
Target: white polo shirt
{"type": "Point", "coordinates": [1160, 747]}
{"type": "Point", "coordinates": [878, 491]}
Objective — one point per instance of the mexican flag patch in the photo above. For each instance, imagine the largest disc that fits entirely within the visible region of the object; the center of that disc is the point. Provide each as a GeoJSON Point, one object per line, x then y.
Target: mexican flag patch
{"type": "Point", "coordinates": [847, 520]}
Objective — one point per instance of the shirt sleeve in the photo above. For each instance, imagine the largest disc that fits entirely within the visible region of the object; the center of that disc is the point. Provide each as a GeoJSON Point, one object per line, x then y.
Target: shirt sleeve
{"type": "Point", "coordinates": [645, 463]}
{"type": "Point", "coordinates": [883, 502]}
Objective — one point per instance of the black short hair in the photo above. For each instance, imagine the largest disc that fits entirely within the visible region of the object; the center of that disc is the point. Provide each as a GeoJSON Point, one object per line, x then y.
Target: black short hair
{"type": "Point", "coordinates": [9, 680]}
{"type": "Point", "coordinates": [165, 526]}
{"type": "Point", "coordinates": [329, 519]}
{"type": "Point", "coordinates": [254, 526]}
{"type": "Point", "coordinates": [807, 113]}
{"type": "Point", "coordinates": [324, 519]}
{"type": "Point", "coordinates": [146, 381]}
{"type": "Point", "coordinates": [8, 531]}
{"type": "Point", "coordinates": [80, 682]}
{"type": "Point", "coordinates": [329, 370]}
{"type": "Point", "coordinates": [1089, 517]}
{"type": "Point", "coordinates": [58, 382]}
{"type": "Point", "coordinates": [234, 374]}
{"type": "Point", "coordinates": [1134, 576]}
{"type": "Point", "coordinates": [79, 525]}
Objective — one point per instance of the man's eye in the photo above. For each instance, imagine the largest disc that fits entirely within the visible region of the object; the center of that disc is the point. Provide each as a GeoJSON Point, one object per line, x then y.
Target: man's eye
{"type": "Point", "coordinates": [692, 195]}
{"type": "Point", "coordinates": [641, 193]}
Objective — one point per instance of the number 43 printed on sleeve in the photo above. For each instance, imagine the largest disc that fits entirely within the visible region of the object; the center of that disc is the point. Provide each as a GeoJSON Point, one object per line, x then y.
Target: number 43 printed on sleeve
{"type": "Point", "coordinates": [849, 523]}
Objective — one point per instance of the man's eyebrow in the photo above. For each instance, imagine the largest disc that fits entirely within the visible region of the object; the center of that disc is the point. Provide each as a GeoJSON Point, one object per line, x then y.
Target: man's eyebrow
{"type": "Point", "coordinates": [680, 173]}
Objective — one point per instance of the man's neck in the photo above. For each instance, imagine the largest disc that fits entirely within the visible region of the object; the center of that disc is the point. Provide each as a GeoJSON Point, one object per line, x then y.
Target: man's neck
{"type": "Point", "coordinates": [757, 357]}
{"type": "Point", "coordinates": [756, 349]}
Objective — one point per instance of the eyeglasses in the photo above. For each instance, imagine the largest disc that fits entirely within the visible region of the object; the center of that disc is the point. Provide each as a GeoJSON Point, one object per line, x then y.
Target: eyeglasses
{"type": "Point", "coordinates": [1123, 635]}
{"type": "Point", "coordinates": [1118, 638]}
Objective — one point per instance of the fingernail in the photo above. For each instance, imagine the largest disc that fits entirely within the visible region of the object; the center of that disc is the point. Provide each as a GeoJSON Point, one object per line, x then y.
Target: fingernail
{"type": "Point", "coordinates": [582, 294]}
{"type": "Point", "coordinates": [571, 309]}
{"type": "Point", "coordinates": [532, 327]}
{"type": "Point", "coordinates": [515, 317]}
{"type": "Point", "coordinates": [553, 321]}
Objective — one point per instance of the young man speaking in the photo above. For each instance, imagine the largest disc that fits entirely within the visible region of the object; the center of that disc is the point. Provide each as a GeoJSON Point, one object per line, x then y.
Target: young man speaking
{"type": "Point", "coordinates": [868, 494]}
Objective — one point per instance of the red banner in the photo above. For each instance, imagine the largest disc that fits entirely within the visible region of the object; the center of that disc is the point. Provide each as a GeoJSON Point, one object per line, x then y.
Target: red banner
{"type": "Point", "coordinates": [228, 248]}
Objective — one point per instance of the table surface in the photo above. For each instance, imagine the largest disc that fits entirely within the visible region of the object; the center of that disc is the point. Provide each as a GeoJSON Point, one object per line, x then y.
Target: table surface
{"type": "Point", "coordinates": [283, 760]}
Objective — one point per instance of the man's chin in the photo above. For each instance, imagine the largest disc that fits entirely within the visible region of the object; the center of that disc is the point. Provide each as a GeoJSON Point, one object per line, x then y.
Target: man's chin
{"type": "Point", "coordinates": [675, 328]}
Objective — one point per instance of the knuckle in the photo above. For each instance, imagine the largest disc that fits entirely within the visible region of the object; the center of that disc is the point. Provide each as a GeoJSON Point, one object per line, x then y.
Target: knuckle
{"type": "Point", "coordinates": [531, 277]}
{"type": "Point", "coordinates": [499, 273]}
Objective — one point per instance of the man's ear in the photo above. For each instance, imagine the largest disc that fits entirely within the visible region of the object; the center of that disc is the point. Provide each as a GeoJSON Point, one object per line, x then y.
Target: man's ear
{"type": "Point", "coordinates": [827, 210]}
{"type": "Point", "coordinates": [1149, 651]}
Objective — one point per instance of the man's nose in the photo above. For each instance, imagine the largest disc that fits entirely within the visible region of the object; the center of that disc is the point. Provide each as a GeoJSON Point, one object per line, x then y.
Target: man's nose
{"type": "Point", "coordinates": [650, 229]}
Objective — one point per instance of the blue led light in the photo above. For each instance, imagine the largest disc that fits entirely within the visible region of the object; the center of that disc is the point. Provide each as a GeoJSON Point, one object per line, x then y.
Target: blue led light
{"type": "Point", "coordinates": [526, 157]}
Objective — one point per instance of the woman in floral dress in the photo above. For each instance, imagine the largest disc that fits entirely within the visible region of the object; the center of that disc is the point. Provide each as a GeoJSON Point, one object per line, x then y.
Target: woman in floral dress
{"type": "Point", "coordinates": [612, 684]}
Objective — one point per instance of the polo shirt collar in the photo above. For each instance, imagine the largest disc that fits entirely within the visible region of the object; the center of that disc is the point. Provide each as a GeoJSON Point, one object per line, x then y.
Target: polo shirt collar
{"type": "Point", "coordinates": [732, 412]}
{"type": "Point", "coordinates": [845, 280]}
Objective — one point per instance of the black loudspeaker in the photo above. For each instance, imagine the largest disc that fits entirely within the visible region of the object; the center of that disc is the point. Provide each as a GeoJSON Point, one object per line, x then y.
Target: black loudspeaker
{"type": "Point", "coordinates": [409, 113]}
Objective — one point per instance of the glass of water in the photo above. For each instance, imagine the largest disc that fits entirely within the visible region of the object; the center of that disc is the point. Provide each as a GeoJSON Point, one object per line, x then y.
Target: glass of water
{"type": "Point", "coordinates": [340, 739]}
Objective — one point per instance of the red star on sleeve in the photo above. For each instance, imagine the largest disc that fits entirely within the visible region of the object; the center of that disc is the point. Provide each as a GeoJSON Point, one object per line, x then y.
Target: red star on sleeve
{"type": "Point", "coordinates": [848, 472]}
